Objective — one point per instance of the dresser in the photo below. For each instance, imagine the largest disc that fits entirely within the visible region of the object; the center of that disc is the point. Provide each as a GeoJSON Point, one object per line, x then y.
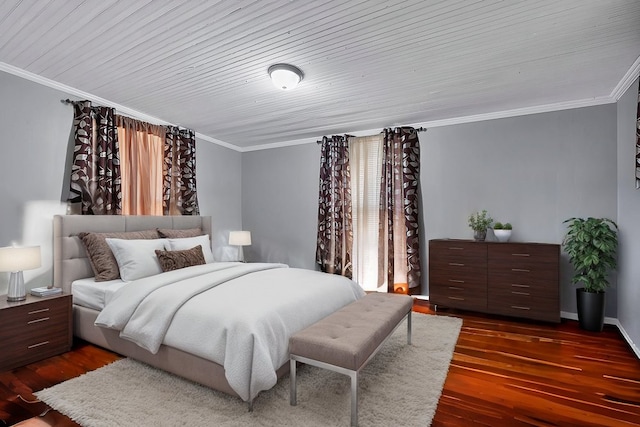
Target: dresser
{"type": "Point", "coordinates": [34, 329]}
{"type": "Point", "coordinates": [513, 279]}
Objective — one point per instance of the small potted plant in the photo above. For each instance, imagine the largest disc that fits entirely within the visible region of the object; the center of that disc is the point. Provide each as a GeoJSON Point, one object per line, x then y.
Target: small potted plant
{"type": "Point", "coordinates": [479, 222]}
{"type": "Point", "coordinates": [592, 245]}
{"type": "Point", "coordinates": [502, 231]}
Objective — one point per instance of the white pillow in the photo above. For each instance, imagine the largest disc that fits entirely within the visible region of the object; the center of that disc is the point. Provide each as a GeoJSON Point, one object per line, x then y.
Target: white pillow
{"type": "Point", "coordinates": [136, 258]}
{"type": "Point", "coordinates": [190, 242]}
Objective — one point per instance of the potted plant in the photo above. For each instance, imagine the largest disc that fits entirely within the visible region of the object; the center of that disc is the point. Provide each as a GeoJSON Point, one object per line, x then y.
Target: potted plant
{"type": "Point", "coordinates": [479, 222]}
{"type": "Point", "coordinates": [502, 231]}
{"type": "Point", "coordinates": [591, 244]}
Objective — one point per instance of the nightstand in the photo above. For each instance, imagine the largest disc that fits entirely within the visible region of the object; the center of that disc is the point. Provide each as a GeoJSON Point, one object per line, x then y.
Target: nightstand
{"type": "Point", "coordinates": [34, 329]}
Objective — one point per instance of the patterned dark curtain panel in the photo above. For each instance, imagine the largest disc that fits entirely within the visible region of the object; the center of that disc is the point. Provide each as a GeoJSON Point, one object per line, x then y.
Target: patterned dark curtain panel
{"type": "Point", "coordinates": [179, 173]}
{"type": "Point", "coordinates": [335, 233]}
{"type": "Point", "coordinates": [399, 207]}
{"type": "Point", "coordinates": [95, 173]}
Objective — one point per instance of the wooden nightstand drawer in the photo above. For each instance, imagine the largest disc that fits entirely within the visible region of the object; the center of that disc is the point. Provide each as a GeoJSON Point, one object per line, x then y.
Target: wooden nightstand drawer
{"type": "Point", "coordinates": [34, 329]}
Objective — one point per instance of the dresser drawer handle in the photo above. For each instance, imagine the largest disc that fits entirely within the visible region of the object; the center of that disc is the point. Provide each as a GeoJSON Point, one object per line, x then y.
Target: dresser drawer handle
{"type": "Point", "coordinates": [520, 293]}
{"type": "Point", "coordinates": [39, 311]}
{"type": "Point", "coordinates": [518, 285]}
{"type": "Point", "coordinates": [520, 308]}
{"type": "Point", "coordinates": [454, 248]}
{"type": "Point", "coordinates": [44, 319]}
{"type": "Point", "coordinates": [39, 344]}
{"type": "Point", "coordinates": [524, 270]}
{"type": "Point", "coordinates": [457, 298]}
{"type": "Point", "coordinates": [520, 254]}
{"type": "Point", "coordinates": [458, 264]}
{"type": "Point", "coordinates": [455, 288]}
{"type": "Point", "coordinates": [456, 281]}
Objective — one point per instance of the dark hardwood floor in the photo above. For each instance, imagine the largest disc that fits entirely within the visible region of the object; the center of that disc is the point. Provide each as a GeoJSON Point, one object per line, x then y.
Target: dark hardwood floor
{"type": "Point", "coordinates": [504, 372]}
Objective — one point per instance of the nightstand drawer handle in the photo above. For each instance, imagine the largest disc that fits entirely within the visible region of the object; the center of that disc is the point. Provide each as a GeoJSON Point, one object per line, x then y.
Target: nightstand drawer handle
{"type": "Point", "coordinates": [520, 254]}
{"type": "Point", "coordinates": [39, 344]}
{"type": "Point", "coordinates": [456, 281]}
{"type": "Point", "coordinates": [455, 288]}
{"type": "Point", "coordinates": [520, 308]}
{"type": "Point", "coordinates": [524, 270]}
{"type": "Point", "coordinates": [520, 293]}
{"type": "Point", "coordinates": [457, 298]}
{"type": "Point", "coordinates": [517, 285]}
{"type": "Point", "coordinates": [454, 248]}
{"type": "Point", "coordinates": [38, 320]}
{"type": "Point", "coordinates": [456, 264]}
{"type": "Point", "coordinates": [39, 311]}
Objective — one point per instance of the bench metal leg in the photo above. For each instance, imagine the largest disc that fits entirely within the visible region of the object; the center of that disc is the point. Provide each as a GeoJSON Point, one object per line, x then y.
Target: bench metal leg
{"type": "Point", "coordinates": [354, 398]}
{"type": "Point", "coordinates": [409, 328]}
{"type": "Point", "coordinates": [293, 399]}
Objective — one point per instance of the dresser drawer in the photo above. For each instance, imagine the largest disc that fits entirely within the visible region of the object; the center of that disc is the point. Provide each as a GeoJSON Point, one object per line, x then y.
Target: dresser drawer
{"type": "Point", "coordinates": [529, 306]}
{"type": "Point", "coordinates": [456, 251]}
{"type": "Point", "coordinates": [535, 257]}
{"type": "Point", "coordinates": [547, 290]}
{"type": "Point", "coordinates": [507, 278]}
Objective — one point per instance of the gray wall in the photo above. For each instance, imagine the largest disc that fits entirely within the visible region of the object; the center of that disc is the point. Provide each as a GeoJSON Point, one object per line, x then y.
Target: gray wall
{"type": "Point", "coordinates": [36, 129]}
{"type": "Point", "coordinates": [533, 171]}
{"type": "Point", "coordinates": [280, 204]}
{"type": "Point", "coordinates": [628, 217]}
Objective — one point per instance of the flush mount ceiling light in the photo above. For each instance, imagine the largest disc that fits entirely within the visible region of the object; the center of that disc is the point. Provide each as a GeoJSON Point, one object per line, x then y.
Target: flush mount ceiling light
{"type": "Point", "coordinates": [285, 76]}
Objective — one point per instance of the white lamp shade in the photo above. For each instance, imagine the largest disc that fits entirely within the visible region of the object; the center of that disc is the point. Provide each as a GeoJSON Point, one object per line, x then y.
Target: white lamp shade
{"type": "Point", "coordinates": [18, 259]}
{"type": "Point", "coordinates": [240, 238]}
{"type": "Point", "coordinates": [285, 76]}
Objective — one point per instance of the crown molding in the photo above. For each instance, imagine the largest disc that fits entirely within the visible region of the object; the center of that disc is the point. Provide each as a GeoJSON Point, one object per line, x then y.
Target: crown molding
{"type": "Point", "coordinates": [627, 80]}
{"type": "Point", "coordinates": [93, 98]}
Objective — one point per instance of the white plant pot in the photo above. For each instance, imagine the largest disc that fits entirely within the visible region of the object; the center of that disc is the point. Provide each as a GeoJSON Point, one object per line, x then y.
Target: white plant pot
{"type": "Point", "coordinates": [502, 235]}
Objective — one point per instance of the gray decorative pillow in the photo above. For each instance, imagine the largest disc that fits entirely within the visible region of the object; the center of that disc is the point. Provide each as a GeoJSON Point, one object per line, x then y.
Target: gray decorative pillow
{"type": "Point", "coordinates": [174, 260]}
{"type": "Point", "coordinates": [169, 233]}
{"type": "Point", "coordinates": [102, 261]}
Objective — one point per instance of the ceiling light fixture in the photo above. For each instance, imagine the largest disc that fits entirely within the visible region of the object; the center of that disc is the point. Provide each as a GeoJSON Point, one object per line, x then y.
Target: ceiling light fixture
{"type": "Point", "coordinates": [285, 76]}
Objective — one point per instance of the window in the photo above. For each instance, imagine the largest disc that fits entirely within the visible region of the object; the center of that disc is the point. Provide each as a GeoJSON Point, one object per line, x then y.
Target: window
{"type": "Point", "coordinates": [365, 156]}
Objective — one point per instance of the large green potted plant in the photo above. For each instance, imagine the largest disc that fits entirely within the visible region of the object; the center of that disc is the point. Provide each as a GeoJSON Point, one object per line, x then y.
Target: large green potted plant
{"type": "Point", "coordinates": [592, 245]}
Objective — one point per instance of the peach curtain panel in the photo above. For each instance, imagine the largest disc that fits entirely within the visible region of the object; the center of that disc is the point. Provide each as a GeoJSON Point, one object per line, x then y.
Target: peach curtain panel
{"type": "Point", "coordinates": [141, 163]}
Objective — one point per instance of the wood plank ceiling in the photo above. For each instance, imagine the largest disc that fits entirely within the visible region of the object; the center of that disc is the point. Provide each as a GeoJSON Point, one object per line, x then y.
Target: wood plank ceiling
{"type": "Point", "coordinates": [367, 64]}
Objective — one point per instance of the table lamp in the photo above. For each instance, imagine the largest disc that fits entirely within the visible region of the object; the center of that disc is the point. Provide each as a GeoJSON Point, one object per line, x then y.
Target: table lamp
{"type": "Point", "coordinates": [240, 239]}
{"type": "Point", "coordinates": [15, 259]}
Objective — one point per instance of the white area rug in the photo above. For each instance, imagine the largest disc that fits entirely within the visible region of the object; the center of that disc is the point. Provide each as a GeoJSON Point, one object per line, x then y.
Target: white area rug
{"type": "Point", "coordinates": [400, 386]}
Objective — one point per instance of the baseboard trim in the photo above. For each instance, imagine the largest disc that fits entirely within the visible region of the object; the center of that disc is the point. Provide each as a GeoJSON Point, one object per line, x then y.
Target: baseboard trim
{"type": "Point", "coordinates": [609, 321]}
{"type": "Point", "coordinates": [627, 338]}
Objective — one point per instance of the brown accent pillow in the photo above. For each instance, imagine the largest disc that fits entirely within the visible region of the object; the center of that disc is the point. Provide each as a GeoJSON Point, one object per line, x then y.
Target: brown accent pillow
{"type": "Point", "coordinates": [170, 233]}
{"type": "Point", "coordinates": [102, 261]}
{"type": "Point", "coordinates": [174, 260]}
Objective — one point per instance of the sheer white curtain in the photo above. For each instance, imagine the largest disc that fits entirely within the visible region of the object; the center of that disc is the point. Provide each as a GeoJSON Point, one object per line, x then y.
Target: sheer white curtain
{"type": "Point", "coordinates": [365, 157]}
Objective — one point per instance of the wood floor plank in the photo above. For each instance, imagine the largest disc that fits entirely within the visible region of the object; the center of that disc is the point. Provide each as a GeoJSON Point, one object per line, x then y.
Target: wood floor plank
{"type": "Point", "coordinates": [504, 372]}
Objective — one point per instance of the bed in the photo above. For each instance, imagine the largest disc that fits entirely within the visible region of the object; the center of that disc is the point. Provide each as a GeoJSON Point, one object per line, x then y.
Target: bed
{"type": "Point", "coordinates": [273, 298]}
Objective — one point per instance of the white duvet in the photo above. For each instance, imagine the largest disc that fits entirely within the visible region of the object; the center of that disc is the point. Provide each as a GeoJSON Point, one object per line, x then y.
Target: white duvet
{"type": "Point", "coordinates": [238, 315]}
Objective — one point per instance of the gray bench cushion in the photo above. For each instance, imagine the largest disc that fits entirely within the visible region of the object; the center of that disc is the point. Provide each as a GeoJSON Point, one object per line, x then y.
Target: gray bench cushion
{"type": "Point", "coordinates": [347, 337]}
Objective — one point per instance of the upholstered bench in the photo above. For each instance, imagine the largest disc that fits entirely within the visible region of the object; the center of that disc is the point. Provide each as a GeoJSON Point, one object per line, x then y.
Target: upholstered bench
{"type": "Point", "coordinates": [346, 340]}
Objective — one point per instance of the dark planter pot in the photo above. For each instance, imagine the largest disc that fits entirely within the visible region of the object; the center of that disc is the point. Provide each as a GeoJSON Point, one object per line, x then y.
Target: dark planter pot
{"type": "Point", "coordinates": [590, 309]}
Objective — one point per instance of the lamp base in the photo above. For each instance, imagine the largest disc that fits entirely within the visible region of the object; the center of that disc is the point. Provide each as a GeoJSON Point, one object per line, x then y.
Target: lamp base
{"type": "Point", "coordinates": [17, 290]}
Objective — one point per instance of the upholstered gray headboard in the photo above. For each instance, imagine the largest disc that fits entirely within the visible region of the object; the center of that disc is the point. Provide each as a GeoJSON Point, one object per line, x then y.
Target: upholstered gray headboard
{"type": "Point", "coordinates": [70, 260]}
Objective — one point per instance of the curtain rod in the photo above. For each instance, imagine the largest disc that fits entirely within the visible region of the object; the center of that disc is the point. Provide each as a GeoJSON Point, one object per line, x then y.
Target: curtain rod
{"type": "Point", "coordinates": [420, 129]}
